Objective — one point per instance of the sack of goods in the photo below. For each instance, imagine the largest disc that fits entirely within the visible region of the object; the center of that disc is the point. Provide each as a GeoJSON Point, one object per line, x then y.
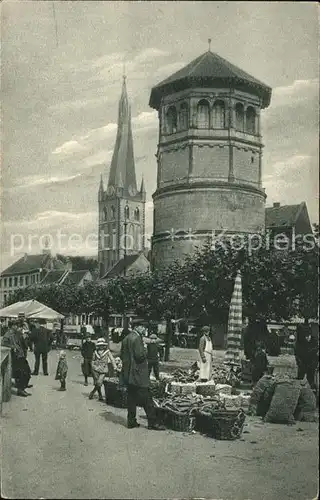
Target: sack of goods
{"type": "Point", "coordinates": [284, 402]}
{"type": "Point", "coordinates": [261, 396]}
{"type": "Point", "coordinates": [306, 410]}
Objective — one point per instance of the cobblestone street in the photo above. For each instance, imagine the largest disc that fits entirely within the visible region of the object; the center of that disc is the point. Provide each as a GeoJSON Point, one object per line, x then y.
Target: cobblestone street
{"type": "Point", "coordinates": [62, 445]}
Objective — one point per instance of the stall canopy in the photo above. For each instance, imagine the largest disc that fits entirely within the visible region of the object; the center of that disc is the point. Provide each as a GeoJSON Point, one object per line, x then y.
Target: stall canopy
{"type": "Point", "coordinates": [31, 309]}
{"type": "Point", "coordinates": [235, 323]}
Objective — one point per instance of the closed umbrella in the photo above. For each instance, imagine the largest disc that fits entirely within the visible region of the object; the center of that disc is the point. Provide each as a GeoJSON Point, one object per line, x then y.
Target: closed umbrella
{"type": "Point", "coordinates": [235, 324]}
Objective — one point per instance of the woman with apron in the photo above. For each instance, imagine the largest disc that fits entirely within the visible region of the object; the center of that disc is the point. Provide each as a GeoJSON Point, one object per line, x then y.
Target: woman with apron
{"type": "Point", "coordinates": [205, 351]}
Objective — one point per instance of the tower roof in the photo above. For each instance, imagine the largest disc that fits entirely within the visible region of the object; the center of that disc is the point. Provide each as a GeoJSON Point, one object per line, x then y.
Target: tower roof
{"type": "Point", "coordinates": [209, 70]}
{"type": "Point", "coordinates": [122, 171]}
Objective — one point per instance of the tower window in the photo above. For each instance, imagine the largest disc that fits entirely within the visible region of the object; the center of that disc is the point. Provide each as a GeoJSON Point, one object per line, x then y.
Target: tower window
{"type": "Point", "coordinates": [252, 159]}
{"type": "Point", "coordinates": [105, 213]}
{"type": "Point", "coordinates": [113, 212]}
{"type": "Point", "coordinates": [126, 212]}
{"type": "Point", "coordinates": [219, 114]}
{"type": "Point", "coordinates": [203, 113]}
{"type": "Point", "coordinates": [137, 214]}
{"type": "Point", "coordinates": [171, 120]}
{"type": "Point", "coordinates": [239, 117]}
{"type": "Point", "coordinates": [183, 117]}
{"type": "Point", "coordinates": [250, 120]}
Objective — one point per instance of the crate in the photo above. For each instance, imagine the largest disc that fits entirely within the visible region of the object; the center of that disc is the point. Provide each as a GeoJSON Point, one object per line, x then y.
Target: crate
{"type": "Point", "coordinates": [221, 424]}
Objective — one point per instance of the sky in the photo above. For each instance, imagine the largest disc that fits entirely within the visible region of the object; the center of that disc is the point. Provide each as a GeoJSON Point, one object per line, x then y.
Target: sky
{"type": "Point", "coordinates": [62, 66]}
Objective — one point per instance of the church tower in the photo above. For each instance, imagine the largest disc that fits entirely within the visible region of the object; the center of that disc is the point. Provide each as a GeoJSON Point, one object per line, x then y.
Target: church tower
{"type": "Point", "coordinates": [209, 156]}
{"type": "Point", "coordinates": [121, 205]}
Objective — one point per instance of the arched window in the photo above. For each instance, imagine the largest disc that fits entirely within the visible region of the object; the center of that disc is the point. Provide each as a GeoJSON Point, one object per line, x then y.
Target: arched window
{"type": "Point", "coordinates": [171, 120]}
{"type": "Point", "coordinates": [239, 117]}
{"type": "Point", "coordinates": [219, 114]}
{"type": "Point", "coordinates": [203, 114]}
{"type": "Point", "coordinates": [137, 214]}
{"type": "Point", "coordinates": [105, 213]}
{"type": "Point", "coordinates": [183, 116]}
{"type": "Point", "coordinates": [251, 120]}
{"type": "Point", "coordinates": [113, 212]}
{"type": "Point", "coordinates": [126, 212]}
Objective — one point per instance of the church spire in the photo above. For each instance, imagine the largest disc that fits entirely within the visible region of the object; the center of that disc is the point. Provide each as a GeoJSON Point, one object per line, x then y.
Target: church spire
{"type": "Point", "coordinates": [122, 171]}
{"type": "Point", "coordinates": [101, 184]}
{"type": "Point", "coordinates": [142, 187]}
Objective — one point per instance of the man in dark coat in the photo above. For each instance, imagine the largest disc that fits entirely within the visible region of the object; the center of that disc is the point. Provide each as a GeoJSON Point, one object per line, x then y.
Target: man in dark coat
{"type": "Point", "coordinates": [21, 372]}
{"type": "Point", "coordinates": [135, 376]}
{"type": "Point", "coordinates": [87, 350]}
{"type": "Point", "coordinates": [42, 339]}
{"type": "Point", "coordinates": [306, 354]}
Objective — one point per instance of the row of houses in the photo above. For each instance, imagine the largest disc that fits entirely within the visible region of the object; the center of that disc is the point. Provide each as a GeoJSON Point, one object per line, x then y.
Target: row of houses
{"type": "Point", "coordinates": [45, 268]}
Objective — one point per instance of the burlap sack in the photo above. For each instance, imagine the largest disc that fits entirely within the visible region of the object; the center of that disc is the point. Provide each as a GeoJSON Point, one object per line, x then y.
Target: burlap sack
{"type": "Point", "coordinates": [284, 402]}
{"type": "Point", "coordinates": [306, 410]}
{"type": "Point", "coordinates": [261, 396]}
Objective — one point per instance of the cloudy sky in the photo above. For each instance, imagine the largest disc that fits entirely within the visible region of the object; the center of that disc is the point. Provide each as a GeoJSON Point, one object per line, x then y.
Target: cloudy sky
{"type": "Point", "coordinates": [61, 83]}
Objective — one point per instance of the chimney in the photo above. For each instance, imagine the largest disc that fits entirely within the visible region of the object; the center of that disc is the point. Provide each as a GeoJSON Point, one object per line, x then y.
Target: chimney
{"type": "Point", "coordinates": [276, 205]}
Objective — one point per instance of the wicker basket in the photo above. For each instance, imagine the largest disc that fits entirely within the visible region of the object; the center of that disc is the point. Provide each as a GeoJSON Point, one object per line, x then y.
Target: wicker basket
{"type": "Point", "coordinates": [221, 424]}
{"type": "Point", "coordinates": [116, 394]}
{"type": "Point", "coordinates": [158, 388]}
{"type": "Point", "coordinates": [180, 422]}
{"type": "Point", "coordinates": [206, 389]}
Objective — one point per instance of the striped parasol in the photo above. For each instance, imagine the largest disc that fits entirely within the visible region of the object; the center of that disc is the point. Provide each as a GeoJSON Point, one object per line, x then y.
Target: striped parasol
{"type": "Point", "coordinates": [235, 324]}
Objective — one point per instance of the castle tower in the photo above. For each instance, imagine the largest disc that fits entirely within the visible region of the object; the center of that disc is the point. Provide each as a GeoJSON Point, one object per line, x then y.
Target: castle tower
{"type": "Point", "coordinates": [121, 205]}
{"type": "Point", "coordinates": [209, 156]}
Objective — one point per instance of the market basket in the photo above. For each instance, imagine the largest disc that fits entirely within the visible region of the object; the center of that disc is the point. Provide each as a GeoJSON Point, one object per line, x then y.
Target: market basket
{"type": "Point", "coordinates": [115, 394]}
{"type": "Point", "coordinates": [221, 424]}
{"type": "Point", "coordinates": [178, 421]}
{"type": "Point", "coordinates": [158, 388]}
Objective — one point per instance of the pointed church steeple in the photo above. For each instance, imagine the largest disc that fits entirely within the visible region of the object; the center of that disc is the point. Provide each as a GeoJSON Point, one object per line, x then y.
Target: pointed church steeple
{"type": "Point", "coordinates": [122, 171]}
{"type": "Point", "coordinates": [101, 189]}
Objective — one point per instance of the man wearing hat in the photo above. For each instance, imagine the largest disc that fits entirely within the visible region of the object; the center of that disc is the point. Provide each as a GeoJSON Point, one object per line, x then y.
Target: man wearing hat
{"type": "Point", "coordinates": [42, 339]}
{"type": "Point", "coordinates": [136, 377]}
{"type": "Point", "coordinates": [205, 352]}
{"type": "Point", "coordinates": [21, 372]}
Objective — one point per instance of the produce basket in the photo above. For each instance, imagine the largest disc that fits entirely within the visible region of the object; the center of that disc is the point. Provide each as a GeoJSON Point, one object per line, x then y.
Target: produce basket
{"type": "Point", "coordinates": [158, 388]}
{"type": "Point", "coordinates": [221, 424]}
{"type": "Point", "coordinates": [116, 394]}
{"type": "Point", "coordinates": [180, 422]}
{"type": "Point", "coordinates": [206, 389]}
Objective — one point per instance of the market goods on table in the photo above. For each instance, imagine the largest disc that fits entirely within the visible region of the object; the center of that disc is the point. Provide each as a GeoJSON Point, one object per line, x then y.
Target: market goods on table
{"type": "Point", "coordinates": [206, 388]}
{"type": "Point", "coordinates": [284, 402]}
{"type": "Point", "coordinates": [224, 389]}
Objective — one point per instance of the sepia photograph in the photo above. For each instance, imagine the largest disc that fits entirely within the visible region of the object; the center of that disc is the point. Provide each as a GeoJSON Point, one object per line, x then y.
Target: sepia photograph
{"type": "Point", "coordinates": [159, 259]}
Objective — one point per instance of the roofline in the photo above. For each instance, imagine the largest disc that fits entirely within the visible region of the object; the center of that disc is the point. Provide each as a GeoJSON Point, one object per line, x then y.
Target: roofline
{"type": "Point", "coordinates": [188, 82]}
{"type": "Point", "coordinates": [4, 273]}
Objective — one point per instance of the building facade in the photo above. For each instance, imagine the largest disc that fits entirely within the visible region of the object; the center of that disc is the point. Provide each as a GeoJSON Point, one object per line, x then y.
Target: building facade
{"type": "Point", "coordinates": [121, 205]}
{"type": "Point", "coordinates": [28, 270]}
{"type": "Point", "coordinates": [209, 172]}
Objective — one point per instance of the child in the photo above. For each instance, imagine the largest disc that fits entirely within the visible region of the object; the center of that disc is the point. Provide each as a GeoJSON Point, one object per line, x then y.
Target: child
{"type": "Point", "coordinates": [62, 370]}
{"type": "Point", "coordinates": [100, 360]}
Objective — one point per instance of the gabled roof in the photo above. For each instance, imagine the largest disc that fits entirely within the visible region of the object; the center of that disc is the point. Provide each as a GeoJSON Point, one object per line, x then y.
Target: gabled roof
{"type": "Point", "coordinates": [53, 277]}
{"type": "Point", "coordinates": [283, 216]}
{"type": "Point", "coordinates": [26, 264]}
{"type": "Point", "coordinates": [207, 70]}
{"type": "Point", "coordinates": [119, 267]}
{"type": "Point", "coordinates": [74, 277]}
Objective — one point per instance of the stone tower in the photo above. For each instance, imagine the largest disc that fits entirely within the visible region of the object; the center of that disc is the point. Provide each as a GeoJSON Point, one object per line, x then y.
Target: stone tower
{"type": "Point", "coordinates": [121, 205]}
{"type": "Point", "coordinates": [209, 156]}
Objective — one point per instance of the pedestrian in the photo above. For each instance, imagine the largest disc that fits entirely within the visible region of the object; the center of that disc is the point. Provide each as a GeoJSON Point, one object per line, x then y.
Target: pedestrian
{"type": "Point", "coordinates": [135, 376]}
{"type": "Point", "coordinates": [21, 372]}
{"type": "Point", "coordinates": [306, 354]}
{"type": "Point", "coordinates": [42, 339]}
{"type": "Point", "coordinates": [62, 370]}
{"type": "Point", "coordinates": [260, 363]}
{"type": "Point", "coordinates": [87, 350]}
{"type": "Point", "coordinates": [205, 352]}
{"type": "Point", "coordinates": [101, 359]}
{"type": "Point", "coordinates": [153, 355]}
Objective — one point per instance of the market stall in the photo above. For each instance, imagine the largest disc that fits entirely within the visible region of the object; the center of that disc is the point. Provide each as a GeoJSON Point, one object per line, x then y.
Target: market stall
{"type": "Point", "coordinates": [30, 309]}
